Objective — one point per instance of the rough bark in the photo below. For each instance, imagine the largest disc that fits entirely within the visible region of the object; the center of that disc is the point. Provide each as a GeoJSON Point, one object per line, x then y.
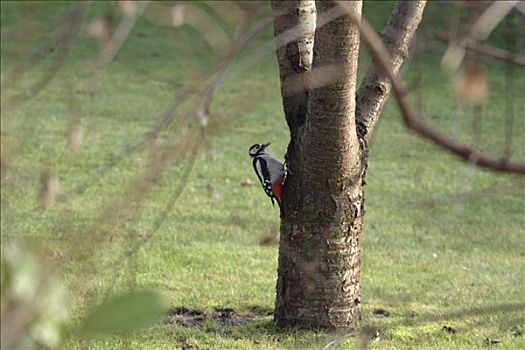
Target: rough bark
{"type": "Point", "coordinates": [375, 87]}
{"type": "Point", "coordinates": [323, 201]}
{"type": "Point", "coordinates": [294, 58]}
{"type": "Point", "coordinates": [321, 217]}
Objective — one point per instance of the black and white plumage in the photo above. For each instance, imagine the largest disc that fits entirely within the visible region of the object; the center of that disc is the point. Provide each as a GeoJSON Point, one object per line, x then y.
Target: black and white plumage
{"type": "Point", "coordinates": [269, 170]}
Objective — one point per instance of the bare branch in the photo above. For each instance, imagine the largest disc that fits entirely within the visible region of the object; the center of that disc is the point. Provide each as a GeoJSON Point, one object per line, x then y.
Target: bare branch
{"type": "Point", "coordinates": [63, 30]}
{"type": "Point", "coordinates": [64, 43]}
{"type": "Point", "coordinates": [198, 87]}
{"type": "Point", "coordinates": [201, 111]}
{"type": "Point", "coordinates": [117, 40]}
{"type": "Point", "coordinates": [121, 34]}
{"type": "Point", "coordinates": [479, 31]}
{"type": "Point", "coordinates": [485, 49]}
{"type": "Point", "coordinates": [375, 87]}
{"type": "Point", "coordinates": [415, 122]}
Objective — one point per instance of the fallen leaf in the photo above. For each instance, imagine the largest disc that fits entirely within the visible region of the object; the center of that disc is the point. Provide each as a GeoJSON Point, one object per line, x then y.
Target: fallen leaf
{"type": "Point", "coordinates": [50, 187]}
{"type": "Point", "coordinates": [248, 183]}
{"type": "Point", "coordinates": [75, 137]}
{"type": "Point", "coordinates": [269, 238]}
{"type": "Point", "coordinates": [213, 193]}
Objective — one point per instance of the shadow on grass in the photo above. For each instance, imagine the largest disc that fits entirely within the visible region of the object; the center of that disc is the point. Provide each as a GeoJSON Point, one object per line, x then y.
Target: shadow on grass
{"type": "Point", "coordinates": [441, 321]}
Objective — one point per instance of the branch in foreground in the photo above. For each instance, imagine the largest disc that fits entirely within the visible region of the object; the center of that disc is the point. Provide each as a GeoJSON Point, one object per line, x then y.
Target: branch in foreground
{"type": "Point", "coordinates": [197, 86]}
{"type": "Point", "coordinates": [415, 122]}
{"type": "Point", "coordinates": [478, 32]}
{"type": "Point", "coordinates": [485, 49]}
{"type": "Point", "coordinates": [63, 43]}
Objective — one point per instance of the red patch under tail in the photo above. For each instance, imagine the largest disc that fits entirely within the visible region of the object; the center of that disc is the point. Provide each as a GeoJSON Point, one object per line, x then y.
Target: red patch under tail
{"type": "Point", "coordinates": [277, 188]}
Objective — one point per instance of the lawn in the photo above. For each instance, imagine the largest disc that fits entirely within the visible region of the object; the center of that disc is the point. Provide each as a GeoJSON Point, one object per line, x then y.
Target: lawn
{"type": "Point", "coordinates": [443, 242]}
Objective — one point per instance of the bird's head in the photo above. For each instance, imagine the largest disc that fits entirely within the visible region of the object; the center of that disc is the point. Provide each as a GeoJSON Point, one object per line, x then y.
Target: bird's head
{"type": "Point", "coordinates": [258, 148]}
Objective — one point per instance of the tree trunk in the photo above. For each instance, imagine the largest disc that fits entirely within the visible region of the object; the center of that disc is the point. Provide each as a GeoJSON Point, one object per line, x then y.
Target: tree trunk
{"type": "Point", "coordinates": [323, 201]}
{"type": "Point", "coordinates": [321, 217]}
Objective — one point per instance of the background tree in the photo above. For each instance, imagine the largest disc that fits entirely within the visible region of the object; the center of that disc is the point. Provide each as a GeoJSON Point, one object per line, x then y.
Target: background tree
{"type": "Point", "coordinates": [323, 199]}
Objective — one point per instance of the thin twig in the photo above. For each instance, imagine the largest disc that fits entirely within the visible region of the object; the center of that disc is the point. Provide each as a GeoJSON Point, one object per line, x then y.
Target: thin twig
{"type": "Point", "coordinates": [479, 31]}
{"type": "Point", "coordinates": [64, 44]}
{"type": "Point", "coordinates": [484, 49]}
{"type": "Point", "coordinates": [63, 30]}
{"type": "Point", "coordinates": [184, 94]}
{"type": "Point", "coordinates": [201, 111]}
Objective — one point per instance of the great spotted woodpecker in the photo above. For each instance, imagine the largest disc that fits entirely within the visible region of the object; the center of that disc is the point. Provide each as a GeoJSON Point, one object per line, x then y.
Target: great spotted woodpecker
{"type": "Point", "coordinates": [269, 170]}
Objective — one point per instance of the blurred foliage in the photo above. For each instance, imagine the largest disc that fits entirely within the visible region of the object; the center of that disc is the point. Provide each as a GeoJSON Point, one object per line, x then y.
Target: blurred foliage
{"type": "Point", "coordinates": [35, 307]}
{"type": "Point", "coordinates": [34, 301]}
{"type": "Point", "coordinates": [125, 313]}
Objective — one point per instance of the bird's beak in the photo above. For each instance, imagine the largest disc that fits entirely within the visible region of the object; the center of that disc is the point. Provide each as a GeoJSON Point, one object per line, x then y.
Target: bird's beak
{"type": "Point", "coordinates": [266, 145]}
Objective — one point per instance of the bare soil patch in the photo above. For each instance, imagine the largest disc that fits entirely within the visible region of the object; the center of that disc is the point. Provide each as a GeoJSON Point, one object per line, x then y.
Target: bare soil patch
{"type": "Point", "coordinates": [188, 317]}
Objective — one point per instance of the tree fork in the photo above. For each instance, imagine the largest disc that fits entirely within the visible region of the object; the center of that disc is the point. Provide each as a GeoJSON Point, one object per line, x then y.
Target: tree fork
{"type": "Point", "coordinates": [376, 86]}
{"type": "Point", "coordinates": [323, 201]}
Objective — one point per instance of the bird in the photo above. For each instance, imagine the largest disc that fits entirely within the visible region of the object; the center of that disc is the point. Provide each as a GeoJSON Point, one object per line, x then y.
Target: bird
{"type": "Point", "coordinates": [269, 170]}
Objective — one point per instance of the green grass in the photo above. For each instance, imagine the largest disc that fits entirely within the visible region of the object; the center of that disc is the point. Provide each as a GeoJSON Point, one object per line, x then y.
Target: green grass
{"type": "Point", "coordinates": [439, 249]}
